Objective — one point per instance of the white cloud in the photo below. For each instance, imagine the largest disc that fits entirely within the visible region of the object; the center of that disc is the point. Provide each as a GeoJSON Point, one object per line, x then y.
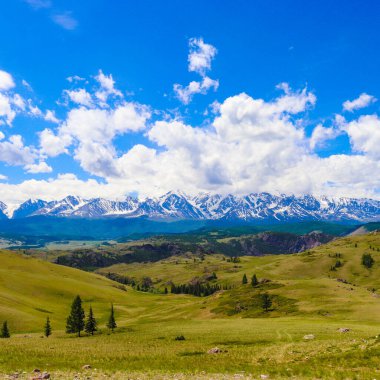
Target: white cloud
{"type": "Point", "coordinates": [322, 134]}
{"type": "Point", "coordinates": [364, 134]}
{"type": "Point", "coordinates": [6, 81]}
{"type": "Point", "coordinates": [14, 152]}
{"type": "Point", "coordinates": [75, 78]}
{"type": "Point", "coordinates": [107, 87]}
{"type": "Point", "coordinates": [26, 85]}
{"type": "Point", "coordinates": [80, 96]}
{"type": "Point", "coordinates": [57, 188]}
{"type": "Point", "coordinates": [7, 113]}
{"type": "Point", "coordinates": [364, 100]}
{"type": "Point", "coordinates": [65, 20]}
{"type": "Point", "coordinates": [53, 145]}
{"type": "Point", "coordinates": [41, 167]}
{"type": "Point", "coordinates": [185, 94]}
{"type": "Point", "coordinates": [248, 145]}
{"type": "Point", "coordinates": [50, 116]}
{"type": "Point", "coordinates": [200, 56]}
{"type": "Point", "coordinates": [92, 131]}
{"type": "Point", "coordinates": [12, 103]}
{"type": "Point", "coordinates": [33, 110]}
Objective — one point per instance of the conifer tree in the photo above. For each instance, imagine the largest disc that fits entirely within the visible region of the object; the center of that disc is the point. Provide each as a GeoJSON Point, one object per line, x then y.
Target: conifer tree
{"type": "Point", "coordinates": [91, 323]}
{"type": "Point", "coordinates": [266, 301]}
{"type": "Point", "coordinates": [47, 328]}
{"type": "Point", "coordinates": [254, 281]}
{"type": "Point", "coordinates": [245, 280]}
{"type": "Point", "coordinates": [75, 321]}
{"type": "Point", "coordinates": [5, 331]}
{"type": "Point", "coordinates": [111, 321]}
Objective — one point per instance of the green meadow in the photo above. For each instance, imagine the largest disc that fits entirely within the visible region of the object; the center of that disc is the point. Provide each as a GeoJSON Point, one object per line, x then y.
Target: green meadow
{"type": "Point", "coordinates": [308, 296]}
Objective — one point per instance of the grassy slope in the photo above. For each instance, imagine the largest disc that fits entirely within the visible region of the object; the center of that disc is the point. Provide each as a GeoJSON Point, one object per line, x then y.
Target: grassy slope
{"type": "Point", "coordinates": [31, 290]}
{"type": "Point", "coordinates": [149, 322]}
{"type": "Point", "coordinates": [305, 278]}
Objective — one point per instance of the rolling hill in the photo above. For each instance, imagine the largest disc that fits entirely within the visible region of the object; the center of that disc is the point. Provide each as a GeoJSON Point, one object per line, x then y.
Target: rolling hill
{"type": "Point", "coordinates": [308, 297]}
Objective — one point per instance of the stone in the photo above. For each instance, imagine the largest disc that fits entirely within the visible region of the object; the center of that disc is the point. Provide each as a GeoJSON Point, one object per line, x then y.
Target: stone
{"type": "Point", "coordinates": [42, 376]}
{"type": "Point", "coordinates": [309, 337]}
{"type": "Point", "coordinates": [215, 350]}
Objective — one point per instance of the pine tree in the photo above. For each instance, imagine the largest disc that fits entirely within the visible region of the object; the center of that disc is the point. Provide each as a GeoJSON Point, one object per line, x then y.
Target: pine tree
{"type": "Point", "coordinates": [5, 331]}
{"type": "Point", "coordinates": [254, 281]}
{"type": "Point", "coordinates": [47, 328]}
{"type": "Point", "coordinates": [75, 321]}
{"type": "Point", "coordinates": [91, 323]}
{"type": "Point", "coordinates": [111, 321]}
{"type": "Point", "coordinates": [367, 260]}
{"type": "Point", "coordinates": [266, 301]}
{"type": "Point", "coordinates": [245, 280]}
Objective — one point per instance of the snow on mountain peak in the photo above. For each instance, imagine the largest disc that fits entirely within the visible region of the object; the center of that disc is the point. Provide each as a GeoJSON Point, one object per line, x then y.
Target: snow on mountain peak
{"type": "Point", "coordinates": [177, 205]}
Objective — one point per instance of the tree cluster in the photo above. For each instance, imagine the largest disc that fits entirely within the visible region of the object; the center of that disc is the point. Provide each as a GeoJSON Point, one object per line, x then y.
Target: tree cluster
{"type": "Point", "coordinates": [254, 280]}
{"type": "Point", "coordinates": [197, 289]}
{"type": "Point", "coordinates": [76, 321]}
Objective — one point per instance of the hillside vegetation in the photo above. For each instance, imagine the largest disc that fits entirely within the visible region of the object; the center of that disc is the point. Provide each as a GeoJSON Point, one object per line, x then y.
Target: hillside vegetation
{"type": "Point", "coordinates": [310, 295]}
{"type": "Point", "coordinates": [308, 283]}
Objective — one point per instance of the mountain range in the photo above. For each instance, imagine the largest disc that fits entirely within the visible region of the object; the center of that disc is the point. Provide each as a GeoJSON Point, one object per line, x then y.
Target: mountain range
{"type": "Point", "coordinates": [260, 207]}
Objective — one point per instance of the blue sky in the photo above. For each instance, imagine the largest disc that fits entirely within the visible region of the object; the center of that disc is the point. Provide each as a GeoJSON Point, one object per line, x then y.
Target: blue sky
{"type": "Point", "coordinates": [220, 96]}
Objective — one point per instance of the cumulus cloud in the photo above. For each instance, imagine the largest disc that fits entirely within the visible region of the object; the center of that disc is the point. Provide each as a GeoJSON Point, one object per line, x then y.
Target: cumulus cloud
{"type": "Point", "coordinates": [11, 103]}
{"type": "Point", "coordinates": [200, 57]}
{"type": "Point", "coordinates": [322, 134]}
{"type": "Point", "coordinates": [364, 100]}
{"type": "Point", "coordinates": [107, 87]}
{"type": "Point", "coordinates": [53, 145]}
{"type": "Point", "coordinates": [14, 152]}
{"type": "Point", "coordinates": [6, 81]}
{"type": "Point", "coordinates": [79, 96]}
{"type": "Point", "coordinates": [41, 167]}
{"type": "Point", "coordinates": [248, 145]}
{"type": "Point", "coordinates": [94, 129]}
{"type": "Point", "coordinates": [57, 188]}
{"type": "Point", "coordinates": [185, 94]}
{"type": "Point", "coordinates": [364, 134]}
{"type": "Point", "coordinates": [50, 116]}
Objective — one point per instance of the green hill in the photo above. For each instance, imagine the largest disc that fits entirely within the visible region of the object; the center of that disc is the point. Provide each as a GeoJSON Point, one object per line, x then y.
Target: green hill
{"type": "Point", "coordinates": [32, 289]}
{"type": "Point", "coordinates": [308, 297]}
{"type": "Point", "coordinates": [305, 282]}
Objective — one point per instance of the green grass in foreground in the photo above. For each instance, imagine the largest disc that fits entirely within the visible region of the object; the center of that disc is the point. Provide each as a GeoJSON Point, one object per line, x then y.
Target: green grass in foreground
{"type": "Point", "coordinates": [252, 345]}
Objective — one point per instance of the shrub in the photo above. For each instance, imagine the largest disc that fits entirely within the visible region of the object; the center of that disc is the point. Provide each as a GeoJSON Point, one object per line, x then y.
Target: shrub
{"type": "Point", "coordinates": [367, 260]}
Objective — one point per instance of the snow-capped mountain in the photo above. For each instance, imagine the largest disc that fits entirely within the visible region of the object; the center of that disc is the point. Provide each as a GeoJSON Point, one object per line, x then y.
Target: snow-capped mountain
{"type": "Point", "coordinates": [252, 207]}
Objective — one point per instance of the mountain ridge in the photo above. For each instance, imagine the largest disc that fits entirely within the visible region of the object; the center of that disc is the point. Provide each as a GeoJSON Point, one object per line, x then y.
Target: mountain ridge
{"type": "Point", "coordinates": [263, 207]}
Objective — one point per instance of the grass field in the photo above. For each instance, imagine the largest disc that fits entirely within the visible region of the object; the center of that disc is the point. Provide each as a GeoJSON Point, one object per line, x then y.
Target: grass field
{"type": "Point", "coordinates": [307, 299]}
{"type": "Point", "coordinates": [251, 346]}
